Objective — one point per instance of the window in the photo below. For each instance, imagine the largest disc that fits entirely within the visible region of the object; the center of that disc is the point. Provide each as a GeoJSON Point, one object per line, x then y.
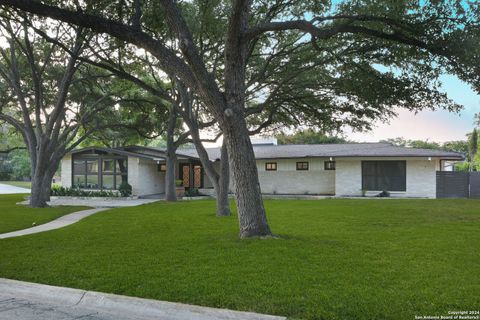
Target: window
{"type": "Point", "coordinates": [78, 181]}
{"type": "Point", "coordinates": [92, 166]}
{"type": "Point", "coordinates": [99, 173]}
{"type": "Point", "coordinates": [85, 174]}
{"type": "Point", "coordinates": [108, 166]}
{"type": "Point", "coordinates": [271, 166]}
{"type": "Point", "coordinates": [384, 175]}
{"type": "Point", "coordinates": [302, 165]}
{"type": "Point", "coordinates": [108, 182]}
{"type": "Point", "coordinates": [162, 167]}
{"type": "Point", "coordinates": [329, 165]}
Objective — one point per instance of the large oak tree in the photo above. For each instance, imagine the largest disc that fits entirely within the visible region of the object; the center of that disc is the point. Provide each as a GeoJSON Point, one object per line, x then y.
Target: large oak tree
{"type": "Point", "coordinates": [413, 41]}
{"type": "Point", "coordinates": [49, 97]}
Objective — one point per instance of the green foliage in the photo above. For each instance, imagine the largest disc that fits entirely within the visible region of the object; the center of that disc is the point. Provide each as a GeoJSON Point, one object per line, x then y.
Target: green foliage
{"type": "Point", "coordinates": [15, 162]}
{"type": "Point", "coordinates": [455, 146]}
{"type": "Point", "coordinates": [125, 189]}
{"type": "Point", "coordinates": [20, 163]}
{"type": "Point", "coordinates": [76, 192]}
{"type": "Point", "coordinates": [335, 259]}
{"type": "Point", "coordinates": [462, 166]}
{"type": "Point", "coordinates": [5, 170]}
{"type": "Point", "coordinates": [308, 136]}
{"type": "Point", "coordinates": [192, 192]}
{"type": "Point", "coordinates": [16, 166]}
{"type": "Point", "coordinates": [461, 146]}
{"type": "Point", "coordinates": [178, 182]}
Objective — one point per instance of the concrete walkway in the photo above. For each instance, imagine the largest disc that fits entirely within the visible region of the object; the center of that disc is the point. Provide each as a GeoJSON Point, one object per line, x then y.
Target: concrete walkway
{"type": "Point", "coordinates": [8, 189]}
{"type": "Point", "coordinates": [55, 224]}
{"type": "Point", "coordinates": [30, 301]}
{"type": "Point", "coordinates": [95, 202]}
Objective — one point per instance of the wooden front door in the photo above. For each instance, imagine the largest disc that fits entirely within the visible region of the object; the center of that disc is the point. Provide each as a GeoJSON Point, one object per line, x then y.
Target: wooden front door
{"type": "Point", "coordinates": [191, 175]}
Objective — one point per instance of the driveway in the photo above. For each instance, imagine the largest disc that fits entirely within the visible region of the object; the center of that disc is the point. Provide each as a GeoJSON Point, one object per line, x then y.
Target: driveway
{"type": "Point", "coordinates": [8, 189]}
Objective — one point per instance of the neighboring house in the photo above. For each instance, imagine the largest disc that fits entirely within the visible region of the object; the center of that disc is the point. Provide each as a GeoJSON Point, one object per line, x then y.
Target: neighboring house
{"type": "Point", "coordinates": [328, 169]}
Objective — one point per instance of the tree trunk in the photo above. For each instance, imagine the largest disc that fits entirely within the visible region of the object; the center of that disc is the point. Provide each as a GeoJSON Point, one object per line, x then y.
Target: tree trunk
{"type": "Point", "coordinates": [170, 186]}
{"type": "Point", "coordinates": [41, 187]}
{"type": "Point", "coordinates": [223, 206]}
{"type": "Point", "coordinates": [219, 182]}
{"type": "Point", "coordinates": [251, 212]}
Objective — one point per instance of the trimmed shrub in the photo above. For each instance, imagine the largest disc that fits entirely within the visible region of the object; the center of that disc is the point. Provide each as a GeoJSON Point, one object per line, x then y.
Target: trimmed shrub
{"type": "Point", "coordinates": [125, 189]}
{"type": "Point", "coordinates": [76, 192]}
{"type": "Point", "coordinates": [192, 192]}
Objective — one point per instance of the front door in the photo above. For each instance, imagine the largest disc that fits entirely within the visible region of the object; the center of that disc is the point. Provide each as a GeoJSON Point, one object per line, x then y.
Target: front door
{"type": "Point", "coordinates": [191, 175]}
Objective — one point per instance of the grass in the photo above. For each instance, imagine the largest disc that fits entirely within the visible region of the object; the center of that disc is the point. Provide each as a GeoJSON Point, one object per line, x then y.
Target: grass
{"type": "Point", "coordinates": [338, 259]}
{"type": "Point", "coordinates": [16, 217]}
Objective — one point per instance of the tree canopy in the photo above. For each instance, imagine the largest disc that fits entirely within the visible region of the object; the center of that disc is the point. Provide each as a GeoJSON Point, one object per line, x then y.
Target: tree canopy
{"type": "Point", "coordinates": [308, 136]}
{"type": "Point", "coordinates": [253, 64]}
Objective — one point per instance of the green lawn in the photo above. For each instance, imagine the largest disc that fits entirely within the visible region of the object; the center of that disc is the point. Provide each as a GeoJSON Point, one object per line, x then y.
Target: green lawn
{"type": "Point", "coordinates": [338, 259]}
{"type": "Point", "coordinates": [16, 217]}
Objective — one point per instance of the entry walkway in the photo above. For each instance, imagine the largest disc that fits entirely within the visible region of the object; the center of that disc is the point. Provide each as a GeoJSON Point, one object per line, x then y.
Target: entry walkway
{"type": "Point", "coordinates": [8, 189]}
{"type": "Point", "coordinates": [30, 301]}
{"type": "Point", "coordinates": [61, 222]}
{"type": "Point", "coordinates": [96, 202]}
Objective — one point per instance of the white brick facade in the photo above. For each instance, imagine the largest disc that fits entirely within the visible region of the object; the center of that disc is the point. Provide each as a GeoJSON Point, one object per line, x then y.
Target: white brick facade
{"type": "Point", "coordinates": [421, 177]}
{"type": "Point", "coordinates": [346, 180]}
{"type": "Point", "coordinates": [288, 180]}
{"type": "Point", "coordinates": [66, 171]}
{"type": "Point", "coordinates": [144, 177]}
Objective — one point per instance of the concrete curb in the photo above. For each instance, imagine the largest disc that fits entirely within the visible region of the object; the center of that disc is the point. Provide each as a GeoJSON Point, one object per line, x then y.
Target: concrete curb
{"type": "Point", "coordinates": [61, 222]}
{"type": "Point", "coordinates": [126, 307]}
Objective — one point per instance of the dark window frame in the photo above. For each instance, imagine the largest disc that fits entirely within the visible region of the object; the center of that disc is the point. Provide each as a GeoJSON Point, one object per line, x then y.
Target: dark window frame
{"type": "Point", "coordinates": [100, 158]}
{"type": "Point", "coordinates": [271, 166]}
{"type": "Point", "coordinates": [377, 178]}
{"type": "Point", "coordinates": [326, 165]}
{"type": "Point", "coordinates": [302, 165]}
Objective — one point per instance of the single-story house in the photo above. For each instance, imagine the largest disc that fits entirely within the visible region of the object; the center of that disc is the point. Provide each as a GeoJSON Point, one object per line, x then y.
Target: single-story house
{"type": "Point", "coordinates": [322, 169]}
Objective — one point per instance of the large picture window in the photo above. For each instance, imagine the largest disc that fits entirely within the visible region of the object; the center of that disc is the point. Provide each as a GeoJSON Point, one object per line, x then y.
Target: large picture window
{"type": "Point", "coordinates": [103, 172]}
{"type": "Point", "coordinates": [384, 175]}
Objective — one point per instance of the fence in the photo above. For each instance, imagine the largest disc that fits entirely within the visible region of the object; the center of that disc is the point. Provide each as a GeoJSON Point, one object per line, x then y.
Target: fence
{"type": "Point", "coordinates": [458, 184]}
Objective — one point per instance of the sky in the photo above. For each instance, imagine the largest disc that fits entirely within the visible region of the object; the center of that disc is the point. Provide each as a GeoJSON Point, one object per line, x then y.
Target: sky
{"type": "Point", "coordinates": [439, 125]}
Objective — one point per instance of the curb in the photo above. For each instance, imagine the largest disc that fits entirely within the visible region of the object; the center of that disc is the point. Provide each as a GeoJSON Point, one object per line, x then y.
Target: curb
{"type": "Point", "coordinates": [128, 307]}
